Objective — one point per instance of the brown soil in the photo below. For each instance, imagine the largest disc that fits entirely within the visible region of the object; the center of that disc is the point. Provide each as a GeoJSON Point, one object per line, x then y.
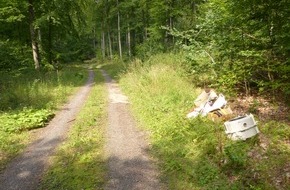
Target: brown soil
{"type": "Point", "coordinates": [264, 108]}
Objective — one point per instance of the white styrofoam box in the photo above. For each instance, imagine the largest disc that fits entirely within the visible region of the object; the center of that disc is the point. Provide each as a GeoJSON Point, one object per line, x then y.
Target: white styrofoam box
{"type": "Point", "coordinates": [240, 124]}
{"type": "Point", "coordinates": [243, 135]}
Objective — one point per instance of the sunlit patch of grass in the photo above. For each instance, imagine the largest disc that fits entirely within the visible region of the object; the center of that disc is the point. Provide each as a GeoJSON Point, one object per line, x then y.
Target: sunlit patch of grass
{"type": "Point", "coordinates": [29, 100]}
{"type": "Point", "coordinates": [274, 159]}
{"type": "Point", "coordinates": [39, 89]}
{"type": "Point", "coordinates": [79, 163]}
{"type": "Point", "coordinates": [10, 145]}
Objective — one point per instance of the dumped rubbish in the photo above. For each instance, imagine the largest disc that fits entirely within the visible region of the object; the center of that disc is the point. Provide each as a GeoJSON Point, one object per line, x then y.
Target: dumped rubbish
{"type": "Point", "coordinates": [242, 127]}
{"type": "Point", "coordinates": [208, 103]}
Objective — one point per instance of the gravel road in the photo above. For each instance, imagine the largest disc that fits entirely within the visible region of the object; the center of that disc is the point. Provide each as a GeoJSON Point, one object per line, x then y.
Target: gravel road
{"type": "Point", "coordinates": [26, 170]}
{"type": "Point", "coordinates": [130, 167]}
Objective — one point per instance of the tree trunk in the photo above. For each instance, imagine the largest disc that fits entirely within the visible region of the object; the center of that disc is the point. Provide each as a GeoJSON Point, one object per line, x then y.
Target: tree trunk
{"type": "Point", "coordinates": [94, 41]}
{"type": "Point", "coordinates": [110, 45]}
{"type": "Point", "coordinates": [168, 37]}
{"type": "Point", "coordinates": [103, 45]}
{"type": "Point", "coordinates": [119, 32]}
{"type": "Point", "coordinates": [144, 18]}
{"type": "Point", "coordinates": [33, 34]}
{"type": "Point", "coordinates": [50, 41]}
{"type": "Point", "coordinates": [129, 38]}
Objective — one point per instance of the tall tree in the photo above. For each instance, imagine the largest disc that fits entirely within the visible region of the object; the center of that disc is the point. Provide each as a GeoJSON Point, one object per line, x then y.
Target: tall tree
{"type": "Point", "coordinates": [33, 34]}
{"type": "Point", "coordinates": [119, 30]}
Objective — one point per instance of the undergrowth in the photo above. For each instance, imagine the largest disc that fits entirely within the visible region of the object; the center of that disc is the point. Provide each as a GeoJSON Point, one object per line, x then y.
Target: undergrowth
{"type": "Point", "coordinates": [196, 153]}
{"type": "Point", "coordinates": [29, 100]}
{"type": "Point", "coordinates": [79, 162]}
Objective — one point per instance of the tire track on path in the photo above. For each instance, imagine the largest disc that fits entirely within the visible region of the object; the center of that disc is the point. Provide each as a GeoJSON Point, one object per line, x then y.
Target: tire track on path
{"type": "Point", "coordinates": [26, 170]}
{"type": "Point", "coordinates": [130, 167]}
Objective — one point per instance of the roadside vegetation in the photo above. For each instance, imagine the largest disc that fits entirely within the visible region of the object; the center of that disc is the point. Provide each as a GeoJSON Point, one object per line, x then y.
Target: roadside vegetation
{"type": "Point", "coordinates": [29, 99]}
{"type": "Point", "coordinates": [163, 53]}
{"type": "Point", "coordinates": [79, 162]}
{"type": "Point", "coordinates": [196, 153]}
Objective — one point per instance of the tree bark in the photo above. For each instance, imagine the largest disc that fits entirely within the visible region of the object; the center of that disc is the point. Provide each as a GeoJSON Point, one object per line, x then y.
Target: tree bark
{"type": "Point", "coordinates": [110, 45]}
{"type": "Point", "coordinates": [145, 25]}
{"type": "Point", "coordinates": [129, 38]}
{"type": "Point", "coordinates": [50, 41]}
{"type": "Point", "coordinates": [103, 46]}
{"type": "Point", "coordinates": [94, 40]}
{"type": "Point", "coordinates": [33, 34]}
{"type": "Point", "coordinates": [119, 32]}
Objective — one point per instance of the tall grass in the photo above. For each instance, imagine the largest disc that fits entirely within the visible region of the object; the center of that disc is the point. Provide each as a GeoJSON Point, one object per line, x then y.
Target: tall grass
{"type": "Point", "coordinates": [82, 153]}
{"type": "Point", "coordinates": [196, 154]}
{"type": "Point", "coordinates": [29, 88]}
{"type": "Point", "coordinates": [28, 100]}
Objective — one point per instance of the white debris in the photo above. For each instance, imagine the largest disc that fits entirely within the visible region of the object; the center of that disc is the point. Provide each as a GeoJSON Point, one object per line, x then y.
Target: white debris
{"type": "Point", "coordinates": [242, 127]}
{"type": "Point", "coordinates": [213, 105]}
{"type": "Point", "coordinates": [207, 102]}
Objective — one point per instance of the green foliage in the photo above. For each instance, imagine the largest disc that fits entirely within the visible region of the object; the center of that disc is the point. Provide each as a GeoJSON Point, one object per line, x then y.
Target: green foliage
{"type": "Point", "coordinates": [82, 154]}
{"type": "Point", "coordinates": [237, 45]}
{"type": "Point", "coordinates": [66, 37]}
{"type": "Point", "coordinates": [62, 34]}
{"type": "Point", "coordinates": [25, 120]}
{"type": "Point", "coordinates": [149, 48]}
{"type": "Point", "coordinates": [12, 11]}
{"type": "Point", "coordinates": [14, 52]}
{"type": "Point", "coordinates": [207, 173]}
{"type": "Point", "coordinates": [237, 154]}
{"type": "Point", "coordinates": [231, 45]}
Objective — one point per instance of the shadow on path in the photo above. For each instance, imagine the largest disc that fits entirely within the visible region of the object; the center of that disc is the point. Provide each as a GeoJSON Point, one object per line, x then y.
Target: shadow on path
{"type": "Point", "coordinates": [130, 166]}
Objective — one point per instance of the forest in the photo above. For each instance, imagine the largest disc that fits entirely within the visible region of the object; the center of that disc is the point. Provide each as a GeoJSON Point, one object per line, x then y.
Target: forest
{"type": "Point", "coordinates": [162, 53]}
{"type": "Point", "coordinates": [239, 45]}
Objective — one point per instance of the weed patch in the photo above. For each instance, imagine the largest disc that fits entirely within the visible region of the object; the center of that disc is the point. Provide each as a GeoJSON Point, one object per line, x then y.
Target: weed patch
{"type": "Point", "coordinates": [24, 120]}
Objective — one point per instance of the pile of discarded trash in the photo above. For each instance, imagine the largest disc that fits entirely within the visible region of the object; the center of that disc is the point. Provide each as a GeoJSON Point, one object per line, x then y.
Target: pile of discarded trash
{"type": "Point", "coordinates": [208, 103]}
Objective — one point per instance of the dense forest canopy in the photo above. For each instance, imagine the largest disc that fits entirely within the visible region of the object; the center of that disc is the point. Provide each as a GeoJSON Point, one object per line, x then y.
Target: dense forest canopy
{"type": "Point", "coordinates": [227, 43]}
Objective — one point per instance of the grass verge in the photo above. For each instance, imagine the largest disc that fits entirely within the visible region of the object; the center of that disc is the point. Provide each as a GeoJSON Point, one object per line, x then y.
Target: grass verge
{"type": "Point", "coordinates": [79, 162]}
{"type": "Point", "coordinates": [196, 154]}
{"type": "Point", "coordinates": [29, 100]}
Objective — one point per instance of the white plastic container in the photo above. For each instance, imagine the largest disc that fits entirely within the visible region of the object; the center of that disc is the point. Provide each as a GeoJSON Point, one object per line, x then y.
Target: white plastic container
{"type": "Point", "coordinates": [241, 128]}
{"type": "Point", "coordinates": [240, 124]}
{"type": "Point", "coordinates": [243, 135]}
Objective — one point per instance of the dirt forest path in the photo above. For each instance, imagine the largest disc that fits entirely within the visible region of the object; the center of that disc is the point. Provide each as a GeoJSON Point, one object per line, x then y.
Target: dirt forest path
{"type": "Point", "coordinates": [130, 167]}
{"type": "Point", "coordinates": [26, 170]}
